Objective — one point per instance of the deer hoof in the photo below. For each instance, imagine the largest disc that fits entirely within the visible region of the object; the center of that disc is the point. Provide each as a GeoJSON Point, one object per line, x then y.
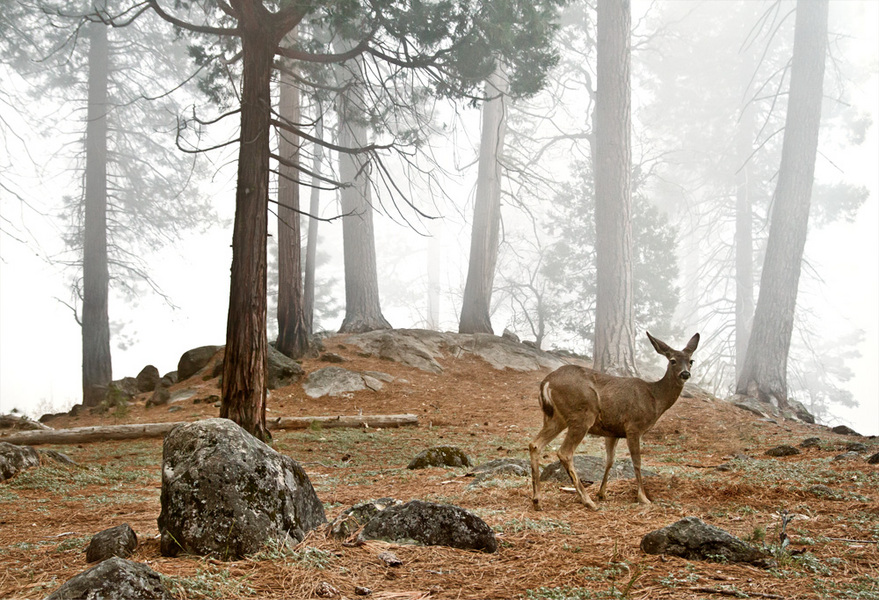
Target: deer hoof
{"type": "Point", "coordinates": [536, 504]}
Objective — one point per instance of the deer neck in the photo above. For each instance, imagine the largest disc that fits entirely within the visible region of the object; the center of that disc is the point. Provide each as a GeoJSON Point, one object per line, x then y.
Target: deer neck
{"type": "Point", "coordinates": [667, 390]}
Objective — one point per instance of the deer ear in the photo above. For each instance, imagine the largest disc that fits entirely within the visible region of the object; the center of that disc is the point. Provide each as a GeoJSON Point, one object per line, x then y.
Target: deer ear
{"type": "Point", "coordinates": [692, 344]}
{"type": "Point", "coordinates": [658, 345]}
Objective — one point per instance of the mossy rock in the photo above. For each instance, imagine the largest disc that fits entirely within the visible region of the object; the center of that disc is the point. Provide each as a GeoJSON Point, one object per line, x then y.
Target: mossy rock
{"type": "Point", "coordinates": [441, 456]}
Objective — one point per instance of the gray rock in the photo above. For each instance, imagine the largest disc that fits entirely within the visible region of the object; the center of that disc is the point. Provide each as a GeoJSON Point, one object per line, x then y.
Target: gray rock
{"type": "Point", "coordinates": [160, 397]}
{"type": "Point", "coordinates": [226, 493]}
{"type": "Point", "coordinates": [845, 430]}
{"type": "Point", "coordinates": [856, 447]}
{"type": "Point", "coordinates": [800, 412]}
{"type": "Point", "coordinates": [352, 519]}
{"type": "Point", "coordinates": [783, 450]}
{"type": "Point", "coordinates": [283, 371]}
{"type": "Point", "coordinates": [440, 456]}
{"type": "Point", "coordinates": [333, 381]}
{"type": "Point", "coordinates": [114, 579]}
{"type": "Point", "coordinates": [432, 525]}
{"type": "Point", "coordinates": [58, 457]}
{"type": "Point", "coordinates": [372, 383]}
{"type": "Point", "coordinates": [169, 379]}
{"type": "Point", "coordinates": [408, 350]}
{"type": "Point", "coordinates": [811, 442]}
{"type": "Point", "coordinates": [118, 541]}
{"type": "Point", "coordinates": [591, 469]}
{"type": "Point", "coordinates": [517, 467]}
{"type": "Point", "coordinates": [873, 460]}
{"type": "Point", "coordinates": [754, 406]}
{"type": "Point", "coordinates": [192, 361]}
{"type": "Point", "coordinates": [823, 491]}
{"type": "Point", "coordinates": [127, 385]}
{"type": "Point", "coordinates": [693, 539]}
{"type": "Point", "coordinates": [509, 335]}
{"type": "Point", "coordinates": [331, 357]}
{"type": "Point", "coordinates": [853, 456]}
{"type": "Point", "coordinates": [15, 459]}
{"type": "Point", "coordinates": [384, 377]}
{"type": "Point", "coordinates": [148, 379]}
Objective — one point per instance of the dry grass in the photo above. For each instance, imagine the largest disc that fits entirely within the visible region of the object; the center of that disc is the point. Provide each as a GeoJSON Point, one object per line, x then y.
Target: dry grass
{"type": "Point", "coordinates": [564, 551]}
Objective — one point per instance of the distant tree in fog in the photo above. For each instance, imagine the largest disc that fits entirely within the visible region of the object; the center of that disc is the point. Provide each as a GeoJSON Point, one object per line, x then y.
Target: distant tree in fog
{"type": "Point", "coordinates": [764, 374]}
{"type": "Point", "coordinates": [614, 338]}
{"type": "Point", "coordinates": [135, 194]}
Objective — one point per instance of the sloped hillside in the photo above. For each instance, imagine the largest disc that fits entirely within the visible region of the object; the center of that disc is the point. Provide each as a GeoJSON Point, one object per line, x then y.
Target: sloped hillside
{"type": "Point", "coordinates": [50, 512]}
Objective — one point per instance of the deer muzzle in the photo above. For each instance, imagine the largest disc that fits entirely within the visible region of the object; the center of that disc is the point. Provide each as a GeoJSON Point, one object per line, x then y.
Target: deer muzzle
{"type": "Point", "coordinates": [685, 375]}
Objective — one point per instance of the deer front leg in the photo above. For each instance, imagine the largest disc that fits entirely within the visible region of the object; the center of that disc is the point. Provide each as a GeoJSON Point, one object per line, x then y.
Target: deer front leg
{"type": "Point", "coordinates": [610, 447]}
{"type": "Point", "coordinates": [634, 442]}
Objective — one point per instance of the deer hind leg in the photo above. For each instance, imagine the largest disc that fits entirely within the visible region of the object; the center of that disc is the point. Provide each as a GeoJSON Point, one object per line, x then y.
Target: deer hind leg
{"type": "Point", "coordinates": [634, 443]}
{"type": "Point", "coordinates": [610, 448]}
{"type": "Point", "coordinates": [551, 428]}
{"type": "Point", "coordinates": [575, 435]}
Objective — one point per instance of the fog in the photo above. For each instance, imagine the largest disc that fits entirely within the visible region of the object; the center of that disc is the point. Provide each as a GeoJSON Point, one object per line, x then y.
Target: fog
{"type": "Point", "coordinates": [838, 297]}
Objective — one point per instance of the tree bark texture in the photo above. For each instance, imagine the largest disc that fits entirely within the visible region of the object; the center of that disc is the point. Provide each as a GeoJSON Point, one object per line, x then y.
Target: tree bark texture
{"type": "Point", "coordinates": [484, 236]}
{"type": "Point", "coordinates": [292, 327]}
{"type": "Point", "coordinates": [614, 343]}
{"type": "Point", "coordinates": [764, 374]}
{"type": "Point", "coordinates": [245, 365]}
{"type": "Point", "coordinates": [362, 304]}
{"type": "Point", "coordinates": [311, 244]}
{"type": "Point", "coordinates": [97, 369]}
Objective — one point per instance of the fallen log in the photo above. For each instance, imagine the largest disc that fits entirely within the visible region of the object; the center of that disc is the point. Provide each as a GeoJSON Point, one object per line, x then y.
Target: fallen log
{"type": "Point", "coordinates": [101, 433]}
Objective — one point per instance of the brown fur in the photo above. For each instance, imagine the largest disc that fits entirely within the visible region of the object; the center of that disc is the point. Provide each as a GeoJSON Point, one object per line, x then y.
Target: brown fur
{"type": "Point", "coordinates": [585, 401]}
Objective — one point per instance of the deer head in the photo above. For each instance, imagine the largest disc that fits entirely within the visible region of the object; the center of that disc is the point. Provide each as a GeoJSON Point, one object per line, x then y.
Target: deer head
{"type": "Point", "coordinates": [679, 361]}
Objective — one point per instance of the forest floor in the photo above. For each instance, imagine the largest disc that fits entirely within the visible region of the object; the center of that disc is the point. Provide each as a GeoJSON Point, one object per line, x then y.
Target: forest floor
{"type": "Point", "coordinates": [48, 514]}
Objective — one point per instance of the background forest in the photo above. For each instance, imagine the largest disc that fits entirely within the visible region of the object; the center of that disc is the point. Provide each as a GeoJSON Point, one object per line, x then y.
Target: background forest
{"type": "Point", "coordinates": [445, 137]}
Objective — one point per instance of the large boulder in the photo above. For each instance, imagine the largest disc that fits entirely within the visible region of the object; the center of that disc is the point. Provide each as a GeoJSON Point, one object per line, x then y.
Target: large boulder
{"type": "Point", "coordinates": [192, 361]}
{"type": "Point", "coordinates": [432, 525]}
{"type": "Point", "coordinates": [283, 370]}
{"type": "Point", "coordinates": [148, 379]}
{"type": "Point", "coordinates": [14, 459]}
{"type": "Point", "coordinates": [225, 493]}
{"type": "Point", "coordinates": [693, 539]}
{"type": "Point", "coordinates": [114, 579]}
{"type": "Point", "coordinates": [335, 381]}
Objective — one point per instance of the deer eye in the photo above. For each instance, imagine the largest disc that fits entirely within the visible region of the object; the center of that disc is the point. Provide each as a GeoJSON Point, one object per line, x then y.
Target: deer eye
{"type": "Point", "coordinates": [692, 362]}
{"type": "Point", "coordinates": [672, 361]}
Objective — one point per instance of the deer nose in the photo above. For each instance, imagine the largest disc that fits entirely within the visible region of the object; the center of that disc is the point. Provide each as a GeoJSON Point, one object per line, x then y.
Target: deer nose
{"type": "Point", "coordinates": [685, 375]}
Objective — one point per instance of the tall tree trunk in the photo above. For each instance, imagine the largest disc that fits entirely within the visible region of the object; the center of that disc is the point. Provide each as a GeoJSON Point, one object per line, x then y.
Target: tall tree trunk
{"type": "Point", "coordinates": [292, 327]}
{"type": "Point", "coordinates": [764, 374]}
{"type": "Point", "coordinates": [484, 237]}
{"type": "Point", "coordinates": [245, 364]}
{"type": "Point", "coordinates": [96, 362]}
{"type": "Point", "coordinates": [311, 244]}
{"type": "Point", "coordinates": [614, 344]}
{"type": "Point", "coordinates": [362, 306]}
{"type": "Point", "coordinates": [744, 237]}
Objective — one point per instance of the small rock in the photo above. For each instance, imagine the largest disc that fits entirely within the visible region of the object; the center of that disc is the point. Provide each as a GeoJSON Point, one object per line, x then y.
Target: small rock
{"type": "Point", "coordinates": [327, 590]}
{"type": "Point", "coordinates": [390, 559]}
{"type": "Point", "coordinates": [873, 460]}
{"type": "Point", "coordinates": [174, 409]}
{"type": "Point", "coordinates": [352, 519]}
{"type": "Point", "coordinates": [372, 383]}
{"type": "Point", "coordinates": [331, 357]}
{"type": "Point", "coordinates": [440, 456]}
{"type": "Point", "coordinates": [812, 442]}
{"type": "Point", "coordinates": [724, 467]}
{"type": "Point", "coordinates": [58, 457]}
{"type": "Point", "coordinates": [847, 456]}
{"type": "Point", "coordinates": [362, 591]}
{"type": "Point", "coordinates": [114, 579]}
{"type": "Point", "coordinates": [856, 447]}
{"type": "Point", "coordinates": [845, 430]}
{"type": "Point", "coordinates": [693, 539]}
{"type": "Point", "coordinates": [118, 541]}
{"type": "Point", "coordinates": [783, 450]}
{"type": "Point", "coordinates": [509, 335]}
{"type": "Point", "coordinates": [160, 397]}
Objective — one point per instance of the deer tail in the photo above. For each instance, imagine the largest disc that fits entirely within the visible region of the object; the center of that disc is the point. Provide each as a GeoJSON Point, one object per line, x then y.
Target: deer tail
{"type": "Point", "coordinates": [546, 400]}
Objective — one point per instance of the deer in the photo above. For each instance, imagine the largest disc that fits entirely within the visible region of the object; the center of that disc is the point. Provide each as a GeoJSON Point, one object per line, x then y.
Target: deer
{"type": "Point", "coordinates": [583, 401]}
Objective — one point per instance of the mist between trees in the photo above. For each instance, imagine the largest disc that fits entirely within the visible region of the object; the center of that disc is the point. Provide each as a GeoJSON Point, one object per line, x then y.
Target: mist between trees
{"type": "Point", "coordinates": [574, 172]}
